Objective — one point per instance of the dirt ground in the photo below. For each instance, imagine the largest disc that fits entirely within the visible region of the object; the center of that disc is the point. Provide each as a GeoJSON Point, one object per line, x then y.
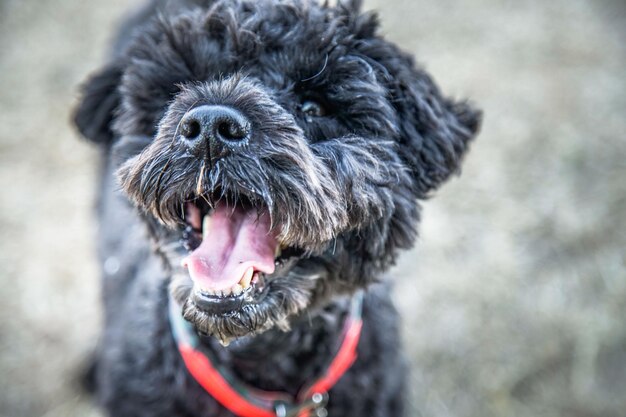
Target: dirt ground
{"type": "Point", "coordinates": [514, 300]}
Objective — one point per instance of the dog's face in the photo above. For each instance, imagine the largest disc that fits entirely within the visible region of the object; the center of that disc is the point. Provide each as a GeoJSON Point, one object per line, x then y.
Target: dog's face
{"type": "Point", "coordinates": [276, 150]}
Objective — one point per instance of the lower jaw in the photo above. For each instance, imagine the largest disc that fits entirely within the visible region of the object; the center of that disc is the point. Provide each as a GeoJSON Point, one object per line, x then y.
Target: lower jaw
{"type": "Point", "coordinates": [227, 320]}
{"type": "Point", "coordinates": [227, 305]}
{"type": "Point", "coordinates": [225, 327]}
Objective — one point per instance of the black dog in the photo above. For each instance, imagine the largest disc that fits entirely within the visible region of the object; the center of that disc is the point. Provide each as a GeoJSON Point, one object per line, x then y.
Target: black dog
{"type": "Point", "coordinates": [274, 153]}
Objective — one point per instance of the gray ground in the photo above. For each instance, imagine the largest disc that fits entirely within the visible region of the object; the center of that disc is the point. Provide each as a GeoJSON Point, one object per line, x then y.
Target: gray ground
{"type": "Point", "coordinates": [514, 300]}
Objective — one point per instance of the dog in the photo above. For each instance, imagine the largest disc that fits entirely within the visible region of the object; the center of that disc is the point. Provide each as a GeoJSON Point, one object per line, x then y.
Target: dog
{"type": "Point", "coordinates": [262, 167]}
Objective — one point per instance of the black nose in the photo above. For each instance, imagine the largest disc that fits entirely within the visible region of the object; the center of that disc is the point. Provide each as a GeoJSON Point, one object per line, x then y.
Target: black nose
{"type": "Point", "coordinates": [212, 131]}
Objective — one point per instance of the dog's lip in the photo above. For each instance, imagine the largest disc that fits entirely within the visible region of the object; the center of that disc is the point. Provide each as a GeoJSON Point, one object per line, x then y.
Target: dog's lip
{"type": "Point", "coordinates": [223, 305]}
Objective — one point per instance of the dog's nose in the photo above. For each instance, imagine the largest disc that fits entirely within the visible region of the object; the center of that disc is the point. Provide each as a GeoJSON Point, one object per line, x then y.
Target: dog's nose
{"type": "Point", "coordinates": [212, 131]}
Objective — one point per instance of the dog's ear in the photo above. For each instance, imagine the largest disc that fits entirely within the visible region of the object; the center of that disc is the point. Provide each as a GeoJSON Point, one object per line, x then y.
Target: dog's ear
{"type": "Point", "coordinates": [435, 131]}
{"type": "Point", "coordinates": [99, 100]}
{"type": "Point", "coordinates": [352, 7]}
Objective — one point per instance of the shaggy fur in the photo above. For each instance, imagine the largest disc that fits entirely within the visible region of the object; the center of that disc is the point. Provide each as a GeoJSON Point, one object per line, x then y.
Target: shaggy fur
{"type": "Point", "coordinates": [341, 186]}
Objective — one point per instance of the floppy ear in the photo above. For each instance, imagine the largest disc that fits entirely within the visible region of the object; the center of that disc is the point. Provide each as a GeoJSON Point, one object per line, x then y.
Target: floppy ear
{"type": "Point", "coordinates": [435, 131]}
{"type": "Point", "coordinates": [353, 7]}
{"type": "Point", "coordinates": [99, 100]}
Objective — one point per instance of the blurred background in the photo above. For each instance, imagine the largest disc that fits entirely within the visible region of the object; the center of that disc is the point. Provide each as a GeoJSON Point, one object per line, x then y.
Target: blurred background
{"type": "Point", "coordinates": [514, 299]}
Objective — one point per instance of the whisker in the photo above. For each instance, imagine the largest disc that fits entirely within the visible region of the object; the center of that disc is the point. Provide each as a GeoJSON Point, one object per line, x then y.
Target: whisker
{"type": "Point", "coordinates": [199, 184]}
{"type": "Point", "coordinates": [319, 73]}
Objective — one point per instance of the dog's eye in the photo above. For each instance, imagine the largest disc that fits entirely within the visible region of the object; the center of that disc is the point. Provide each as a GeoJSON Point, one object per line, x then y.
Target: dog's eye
{"type": "Point", "coordinates": [311, 109]}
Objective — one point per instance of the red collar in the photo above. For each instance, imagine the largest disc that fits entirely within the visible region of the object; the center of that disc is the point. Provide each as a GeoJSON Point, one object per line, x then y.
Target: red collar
{"type": "Point", "coordinates": [246, 401]}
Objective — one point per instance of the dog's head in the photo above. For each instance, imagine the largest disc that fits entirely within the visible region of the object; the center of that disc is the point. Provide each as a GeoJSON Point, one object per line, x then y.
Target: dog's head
{"type": "Point", "coordinates": [276, 149]}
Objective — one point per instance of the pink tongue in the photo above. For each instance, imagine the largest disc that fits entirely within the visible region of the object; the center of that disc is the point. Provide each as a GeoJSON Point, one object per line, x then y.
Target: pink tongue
{"type": "Point", "coordinates": [234, 240]}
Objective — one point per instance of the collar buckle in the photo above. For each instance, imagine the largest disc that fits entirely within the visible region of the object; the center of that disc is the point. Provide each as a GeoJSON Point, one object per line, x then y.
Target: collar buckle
{"type": "Point", "coordinates": [315, 406]}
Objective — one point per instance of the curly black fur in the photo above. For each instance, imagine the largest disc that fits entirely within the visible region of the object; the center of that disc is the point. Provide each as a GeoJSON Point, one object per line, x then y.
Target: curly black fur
{"type": "Point", "coordinates": [343, 187]}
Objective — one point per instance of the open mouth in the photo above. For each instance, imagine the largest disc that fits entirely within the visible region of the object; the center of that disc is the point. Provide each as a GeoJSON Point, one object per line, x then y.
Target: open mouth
{"type": "Point", "coordinates": [233, 252]}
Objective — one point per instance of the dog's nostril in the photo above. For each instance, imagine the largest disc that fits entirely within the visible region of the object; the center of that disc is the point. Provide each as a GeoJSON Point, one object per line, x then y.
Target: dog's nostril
{"type": "Point", "coordinates": [215, 123]}
{"type": "Point", "coordinates": [190, 129]}
{"type": "Point", "coordinates": [214, 131]}
{"type": "Point", "coordinates": [232, 130]}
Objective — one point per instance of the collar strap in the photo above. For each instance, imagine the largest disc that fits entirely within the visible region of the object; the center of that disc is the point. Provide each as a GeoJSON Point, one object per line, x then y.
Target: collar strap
{"type": "Point", "coordinates": [247, 401]}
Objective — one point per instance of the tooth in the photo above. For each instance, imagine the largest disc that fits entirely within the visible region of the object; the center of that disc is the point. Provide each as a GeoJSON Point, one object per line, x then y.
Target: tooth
{"type": "Point", "coordinates": [225, 341]}
{"type": "Point", "coordinates": [279, 250]}
{"type": "Point", "coordinates": [236, 289]}
{"type": "Point", "coordinates": [206, 226]}
{"type": "Point", "coordinates": [207, 291]}
{"type": "Point", "coordinates": [247, 277]}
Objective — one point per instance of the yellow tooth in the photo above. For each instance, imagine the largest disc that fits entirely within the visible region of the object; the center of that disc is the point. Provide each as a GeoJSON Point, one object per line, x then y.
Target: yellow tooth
{"type": "Point", "coordinates": [247, 277]}
{"type": "Point", "coordinates": [206, 225]}
{"type": "Point", "coordinates": [236, 289]}
{"type": "Point", "coordinates": [279, 250]}
{"type": "Point", "coordinates": [225, 342]}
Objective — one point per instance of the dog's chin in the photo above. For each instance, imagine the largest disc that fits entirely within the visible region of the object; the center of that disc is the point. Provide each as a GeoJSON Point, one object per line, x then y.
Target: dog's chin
{"type": "Point", "coordinates": [269, 302]}
{"type": "Point", "coordinates": [229, 319]}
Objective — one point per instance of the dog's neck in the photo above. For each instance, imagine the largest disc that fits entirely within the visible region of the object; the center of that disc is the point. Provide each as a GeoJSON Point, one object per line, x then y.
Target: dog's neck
{"type": "Point", "coordinates": [285, 361]}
